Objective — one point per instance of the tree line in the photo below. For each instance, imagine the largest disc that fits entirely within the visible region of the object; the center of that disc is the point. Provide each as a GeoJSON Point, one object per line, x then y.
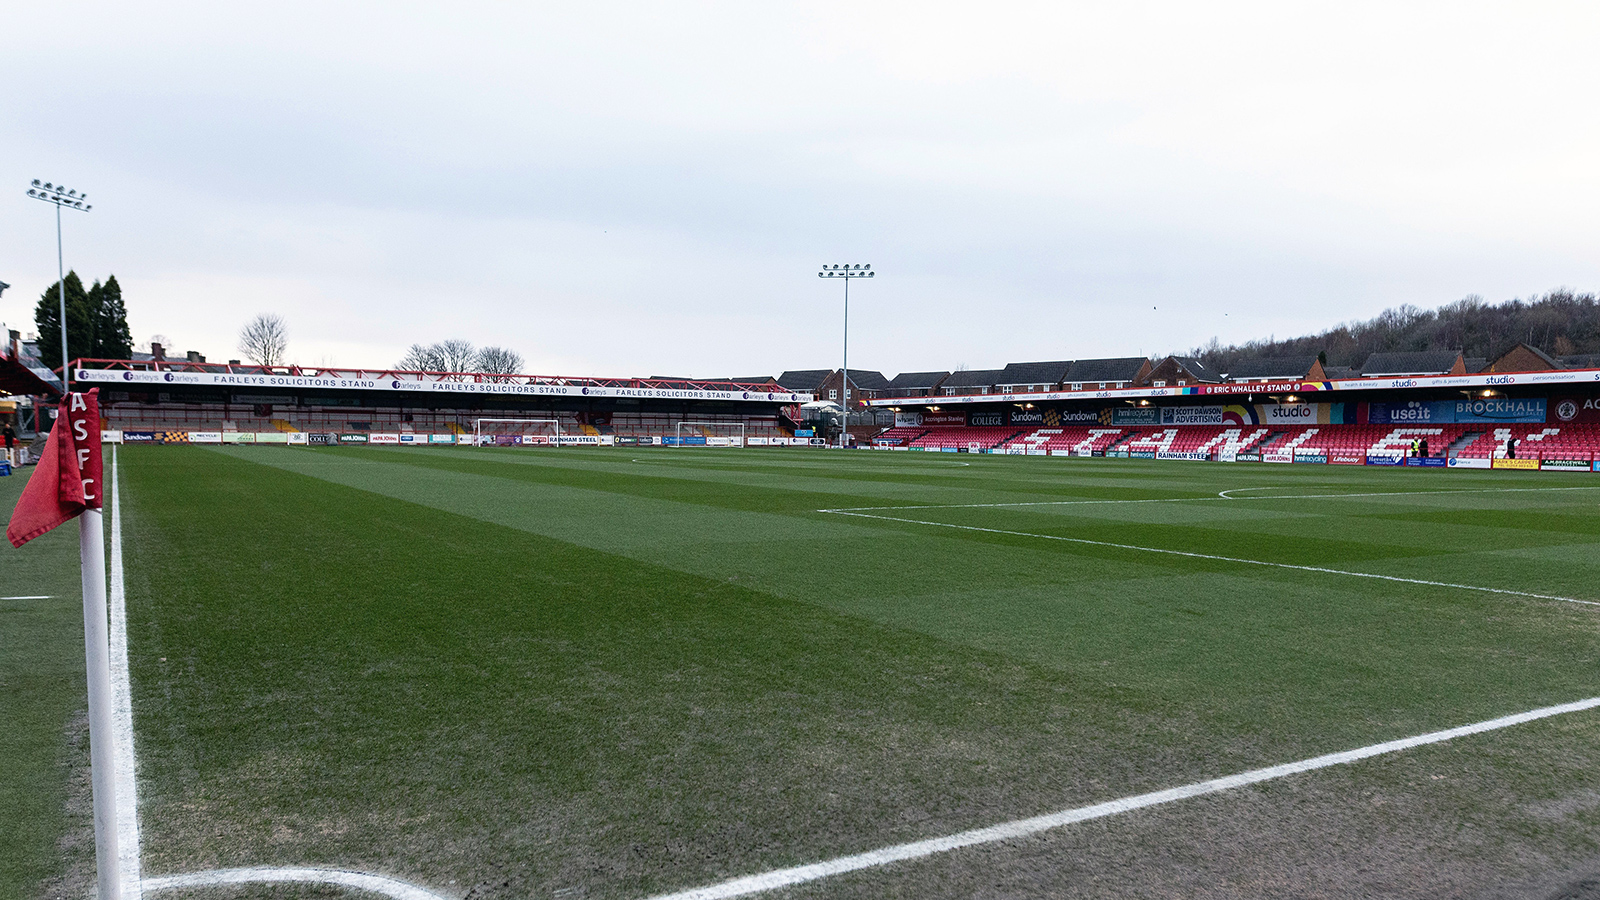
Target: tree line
{"type": "Point", "coordinates": [97, 321]}
{"type": "Point", "coordinates": [456, 355]}
{"type": "Point", "coordinates": [1561, 323]}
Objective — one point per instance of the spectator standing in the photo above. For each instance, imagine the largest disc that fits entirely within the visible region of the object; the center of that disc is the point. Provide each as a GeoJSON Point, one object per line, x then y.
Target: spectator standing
{"type": "Point", "coordinates": [11, 442]}
{"type": "Point", "coordinates": [1511, 448]}
{"type": "Point", "coordinates": [1422, 447]}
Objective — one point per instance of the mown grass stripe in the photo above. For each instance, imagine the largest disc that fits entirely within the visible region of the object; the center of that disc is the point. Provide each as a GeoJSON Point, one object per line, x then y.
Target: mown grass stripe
{"type": "Point", "coordinates": [779, 878]}
{"type": "Point", "coordinates": [1233, 559]}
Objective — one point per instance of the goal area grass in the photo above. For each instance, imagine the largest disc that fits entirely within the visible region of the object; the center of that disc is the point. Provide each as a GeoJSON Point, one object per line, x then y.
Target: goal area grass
{"type": "Point", "coordinates": [617, 672]}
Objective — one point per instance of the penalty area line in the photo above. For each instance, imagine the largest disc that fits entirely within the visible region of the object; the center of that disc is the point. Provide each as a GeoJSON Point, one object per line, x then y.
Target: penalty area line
{"type": "Point", "coordinates": [1233, 559]}
{"type": "Point", "coordinates": [779, 878]}
{"type": "Point", "coordinates": [1221, 496]}
{"type": "Point", "coordinates": [40, 597]}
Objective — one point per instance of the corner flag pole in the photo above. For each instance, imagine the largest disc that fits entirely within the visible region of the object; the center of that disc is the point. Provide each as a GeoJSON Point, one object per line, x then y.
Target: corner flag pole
{"type": "Point", "coordinates": [66, 483]}
{"type": "Point", "coordinates": [97, 656]}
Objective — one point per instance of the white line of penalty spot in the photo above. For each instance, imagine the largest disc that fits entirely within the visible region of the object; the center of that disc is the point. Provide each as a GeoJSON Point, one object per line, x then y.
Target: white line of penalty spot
{"type": "Point", "coordinates": [136, 885]}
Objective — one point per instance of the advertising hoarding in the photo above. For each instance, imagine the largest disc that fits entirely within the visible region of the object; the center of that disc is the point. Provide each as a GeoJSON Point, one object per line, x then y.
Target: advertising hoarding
{"type": "Point", "coordinates": [1457, 412]}
{"type": "Point", "coordinates": [1191, 415]}
{"type": "Point", "coordinates": [1516, 464]}
{"type": "Point", "coordinates": [1573, 410]}
{"type": "Point", "coordinates": [1135, 415]}
{"type": "Point", "coordinates": [1567, 465]}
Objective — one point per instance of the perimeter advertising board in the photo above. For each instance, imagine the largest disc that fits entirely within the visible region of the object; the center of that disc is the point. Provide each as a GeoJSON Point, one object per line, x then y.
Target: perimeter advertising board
{"type": "Point", "coordinates": [1574, 410]}
{"type": "Point", "coordinates": [1516, 464]}
{"type": "Point", "coordinates": [1566, 465]}
{"type": "Point", "coordinates": [1191, 415]}
{"type": "Point", "coordinates": [379, 381]}
{"type": "Point", "coordinates": [1134, 415]}
{"type": "Point", "coordinates": [1462, 462]}
{"type": "Point", "coordinates": [1457, 412]}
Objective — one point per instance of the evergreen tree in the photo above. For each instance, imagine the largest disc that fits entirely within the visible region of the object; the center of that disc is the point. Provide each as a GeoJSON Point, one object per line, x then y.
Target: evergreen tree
{"type": "Point", "coordinates": [81, 321]}
{"type": "Point", "coordinates": [112, 339]}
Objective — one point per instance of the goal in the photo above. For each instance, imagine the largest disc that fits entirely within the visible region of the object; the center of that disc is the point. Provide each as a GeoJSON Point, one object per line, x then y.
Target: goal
{"type": "Point", "coordinates": [710, 434]}
{"type": "Point", "coordinates": [516, 432]}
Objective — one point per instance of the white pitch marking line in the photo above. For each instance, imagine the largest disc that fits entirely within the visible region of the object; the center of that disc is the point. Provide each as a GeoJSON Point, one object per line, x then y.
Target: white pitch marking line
{"type": "Point", "coordinates": [377, 884]}
{"type": "Point", "coordinates": [122, 705]}
{"type": "Point", "coordinates": [40, 597]}
{"type": "Point", "coordinates": [1233, 559]}
{"type": "Point", "coordinates": [1224, 494]}
{"type": "Point", "coordinates": [852, 509]}
{"type": "Point", "coordinates": [778, 878]}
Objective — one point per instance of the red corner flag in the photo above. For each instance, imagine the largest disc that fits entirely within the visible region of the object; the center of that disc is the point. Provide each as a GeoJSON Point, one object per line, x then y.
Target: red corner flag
{"type": "Point", "coordinates": [67, 479]}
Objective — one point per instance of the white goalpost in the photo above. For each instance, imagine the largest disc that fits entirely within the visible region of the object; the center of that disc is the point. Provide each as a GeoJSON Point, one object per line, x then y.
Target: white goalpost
{"type": "Point", "coordinates": [710, 434]}
{"type": "Point", "coordinates": [516, 432]}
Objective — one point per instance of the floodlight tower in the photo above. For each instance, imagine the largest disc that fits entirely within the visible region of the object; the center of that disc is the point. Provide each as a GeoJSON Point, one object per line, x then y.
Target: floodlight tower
{"type": "Point", "coordinates": [58, 196]}
{"type": "Point", "coordinates": [847, 272]}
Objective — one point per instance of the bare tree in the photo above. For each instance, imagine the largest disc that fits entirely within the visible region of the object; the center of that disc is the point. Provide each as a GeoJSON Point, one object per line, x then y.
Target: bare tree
{"type": "Point", "coordinates": [265, 340]}
{"type": "Point", "coordinates": [499, 361]}
{"type": "Point", "coordinates": [421, 358]}
{"type": "Point", "coordinates": [453, 356]}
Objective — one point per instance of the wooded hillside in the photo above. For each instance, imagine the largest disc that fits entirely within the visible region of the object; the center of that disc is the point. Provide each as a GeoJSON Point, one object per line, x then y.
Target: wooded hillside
{"type": "Point", "coordinates": [1561, 323]}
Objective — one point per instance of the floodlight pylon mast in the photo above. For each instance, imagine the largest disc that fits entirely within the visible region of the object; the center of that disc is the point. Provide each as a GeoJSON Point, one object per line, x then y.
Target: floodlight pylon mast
{"type": "Point", "coordinates": [58, 196]}
{"type": "Point", "coordinates": [847, 272]}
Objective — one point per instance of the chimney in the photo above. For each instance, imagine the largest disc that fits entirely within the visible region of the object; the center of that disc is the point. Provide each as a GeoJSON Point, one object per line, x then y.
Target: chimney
{"type": "Point", "coordinates": [195, 357]}
{"type": "Point", "coordinates": [158, 352]}
{"type": "Point", "coordinates": [16, 344]}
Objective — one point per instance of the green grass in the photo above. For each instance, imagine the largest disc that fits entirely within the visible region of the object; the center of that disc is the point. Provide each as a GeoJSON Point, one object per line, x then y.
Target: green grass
{"type": "Point", "coordinates": [42, 702]}
{"type": "Point", "coordinates": [615, 672]}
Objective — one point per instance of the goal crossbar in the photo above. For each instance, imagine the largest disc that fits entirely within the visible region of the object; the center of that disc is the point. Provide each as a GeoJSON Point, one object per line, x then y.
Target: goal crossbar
{"type": "Point", "coordinates": [482, 438]}
{"type": "Point", "coordinates": [707, 441]}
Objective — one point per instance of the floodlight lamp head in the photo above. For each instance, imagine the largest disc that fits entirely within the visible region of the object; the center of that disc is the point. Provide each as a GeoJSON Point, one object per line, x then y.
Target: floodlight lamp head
{"type": "Point", "coordinates": [36, 182]}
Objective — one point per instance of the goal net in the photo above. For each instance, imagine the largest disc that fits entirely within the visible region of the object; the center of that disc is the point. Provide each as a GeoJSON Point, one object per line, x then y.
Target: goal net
{"type": "Point", "coordinates": [710, 434]}
{"type": "Point", "coordinates": [516, 432]}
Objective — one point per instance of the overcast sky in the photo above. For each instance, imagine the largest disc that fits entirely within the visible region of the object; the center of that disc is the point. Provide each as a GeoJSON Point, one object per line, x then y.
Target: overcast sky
{"type": "Point", "coordinates": [631, 190]}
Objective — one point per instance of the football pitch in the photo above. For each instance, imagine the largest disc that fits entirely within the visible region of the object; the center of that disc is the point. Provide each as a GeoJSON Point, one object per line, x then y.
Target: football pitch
{"type": "Point", "coordinates": [506, 673]}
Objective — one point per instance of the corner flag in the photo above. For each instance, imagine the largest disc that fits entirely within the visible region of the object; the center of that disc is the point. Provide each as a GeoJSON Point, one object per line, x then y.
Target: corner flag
{"type": "Point", "coordinates": [65, 485]}
{"type": "Point", "coordinates": [67, 479]}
